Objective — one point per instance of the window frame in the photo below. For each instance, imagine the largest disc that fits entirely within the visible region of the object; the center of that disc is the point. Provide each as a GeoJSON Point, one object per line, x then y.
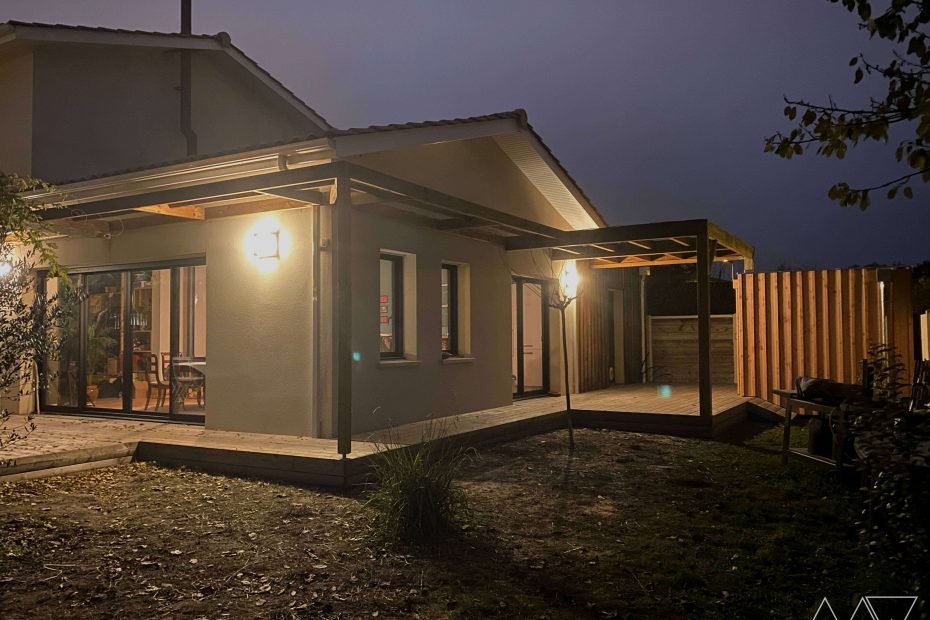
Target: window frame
{"type": "Point", "coordinates": [397, 290]}
{"type": "Point", "coordinates": [453, 323]}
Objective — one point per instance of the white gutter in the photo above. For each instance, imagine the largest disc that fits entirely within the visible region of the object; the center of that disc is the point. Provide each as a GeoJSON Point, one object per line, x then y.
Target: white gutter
{"type": "Point", "coordinates": [271, 159]}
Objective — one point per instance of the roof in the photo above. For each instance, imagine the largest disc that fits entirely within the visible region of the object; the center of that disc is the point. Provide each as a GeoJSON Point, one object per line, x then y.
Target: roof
{"type": "Point", "coordinates": [534, 158]}
{"type": "Point", "coordinates": [560, 191]}
{"type": "Point", "coordinates": [64, 33]}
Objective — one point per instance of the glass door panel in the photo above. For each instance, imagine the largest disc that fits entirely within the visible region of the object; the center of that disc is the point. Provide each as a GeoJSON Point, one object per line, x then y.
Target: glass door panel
{"type": "Point", "coordinates": [189, 363]}
{"type": "Point", "coordinates": [64, 371]}
{"type": "Point", "coordinates": [103, 357]}
{"type": "Point", "coordinates": [530, 341]}
{"type": "Point", "coordinates": [533, 351]}
{"type": "Point", "coordinates": [149, 320]}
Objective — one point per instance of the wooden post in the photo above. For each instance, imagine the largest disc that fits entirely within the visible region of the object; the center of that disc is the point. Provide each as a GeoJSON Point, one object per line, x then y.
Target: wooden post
{"type": "Point", "coordinates": [567, 387]}
{"type": "Point", "coordinates": [703, 313]}
{"type": "Point", "coordinates": [342, 301]}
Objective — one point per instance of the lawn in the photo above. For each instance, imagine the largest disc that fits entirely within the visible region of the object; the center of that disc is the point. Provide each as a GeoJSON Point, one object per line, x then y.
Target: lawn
{"type": "Point", "coordinates": [633, 525]}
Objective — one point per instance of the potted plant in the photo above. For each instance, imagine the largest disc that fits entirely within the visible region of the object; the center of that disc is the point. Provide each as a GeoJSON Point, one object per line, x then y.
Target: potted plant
{"type": "Point", "coordinates": [99, 344]}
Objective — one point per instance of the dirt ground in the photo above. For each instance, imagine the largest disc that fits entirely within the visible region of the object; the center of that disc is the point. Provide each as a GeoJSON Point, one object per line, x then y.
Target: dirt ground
{"type": "Point", "coordinates": [632, 526]}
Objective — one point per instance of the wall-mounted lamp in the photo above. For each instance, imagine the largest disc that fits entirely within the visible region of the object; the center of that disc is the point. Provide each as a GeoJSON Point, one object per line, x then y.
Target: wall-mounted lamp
{"type": "Point", "coordinates": [568, 280]}
{"type": "Point", "coordinates": [266, 244]}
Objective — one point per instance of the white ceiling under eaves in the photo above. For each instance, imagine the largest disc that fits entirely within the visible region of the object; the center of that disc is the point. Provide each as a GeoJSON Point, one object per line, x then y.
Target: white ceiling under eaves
{"type": "Point", "coordinates": [517, 146]}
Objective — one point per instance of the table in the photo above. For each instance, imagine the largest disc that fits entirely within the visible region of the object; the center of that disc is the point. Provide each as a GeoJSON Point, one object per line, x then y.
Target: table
{"type": "Point", "coordinates": [793, 401]}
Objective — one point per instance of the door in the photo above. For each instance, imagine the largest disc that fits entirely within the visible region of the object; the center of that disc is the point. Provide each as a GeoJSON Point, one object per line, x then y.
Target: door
{"type": "Point", "coordinates": [136, 344]}
{"type": "Point", "coordinates": [616, 334]}
{"type": "Point", "coordinates": [530, 340]}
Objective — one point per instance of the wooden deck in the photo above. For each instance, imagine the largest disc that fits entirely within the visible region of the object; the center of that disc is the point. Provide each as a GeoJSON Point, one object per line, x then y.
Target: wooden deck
{"type": "Point", "coordinates": [64, 444]}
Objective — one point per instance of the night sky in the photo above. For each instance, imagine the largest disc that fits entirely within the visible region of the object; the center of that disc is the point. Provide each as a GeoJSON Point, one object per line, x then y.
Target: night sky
{"type": "Point", "coordinates": [657, 108]}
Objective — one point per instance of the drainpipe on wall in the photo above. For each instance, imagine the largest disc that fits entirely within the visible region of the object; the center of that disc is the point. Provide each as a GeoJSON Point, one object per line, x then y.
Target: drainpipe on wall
{"type": "Point", "coordinates": [187, 129]}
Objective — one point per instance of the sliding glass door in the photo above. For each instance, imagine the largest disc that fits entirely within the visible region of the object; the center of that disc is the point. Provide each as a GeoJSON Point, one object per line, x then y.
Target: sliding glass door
{"type": "Point", "coordinates": [529, 321]}
{"type": "Point", "coordinates": [135, 345]}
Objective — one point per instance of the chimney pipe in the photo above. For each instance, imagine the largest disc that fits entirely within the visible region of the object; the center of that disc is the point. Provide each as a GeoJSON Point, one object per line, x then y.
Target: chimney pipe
{"type": "Point", "coordinates": [185, 16]}
{"type": "Point", "coordinates": [187, 128]}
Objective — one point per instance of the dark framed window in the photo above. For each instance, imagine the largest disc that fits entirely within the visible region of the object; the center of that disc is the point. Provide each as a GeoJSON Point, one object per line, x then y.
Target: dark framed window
{"type": "Point", "coordinates": [391, 306]}
{"type": "Point", "coordinates": [450, 314]}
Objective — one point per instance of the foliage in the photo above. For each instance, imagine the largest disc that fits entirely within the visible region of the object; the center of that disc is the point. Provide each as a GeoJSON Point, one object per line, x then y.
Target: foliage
{"type": "Point", "coordinates": [831, 128]}
{"type": "Point", "coordinates": [894, 447]}
{"type": "Point", "coordinates": [416, 498]}
{"type": "Point", "coordinates": [27, 323]}
{"type": "Point", "coordinates": [886, 369]}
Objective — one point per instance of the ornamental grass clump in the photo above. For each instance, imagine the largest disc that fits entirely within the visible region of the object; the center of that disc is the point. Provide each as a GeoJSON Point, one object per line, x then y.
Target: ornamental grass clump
{"type": "Point", "coordinates": [414, 495]}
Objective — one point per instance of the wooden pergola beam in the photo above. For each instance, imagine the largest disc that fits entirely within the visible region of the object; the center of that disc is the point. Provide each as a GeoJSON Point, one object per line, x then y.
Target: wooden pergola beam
{"type": "Point", "coordinates": [638, 233]}
{"type": "Point", "coordinates": [659, 248]}
{"type": "Point", "coordinates": [188, 213]}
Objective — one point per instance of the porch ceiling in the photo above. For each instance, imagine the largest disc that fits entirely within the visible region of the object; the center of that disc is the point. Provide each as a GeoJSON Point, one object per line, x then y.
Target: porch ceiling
{"type": "Point", "coordinates": [661, 243]}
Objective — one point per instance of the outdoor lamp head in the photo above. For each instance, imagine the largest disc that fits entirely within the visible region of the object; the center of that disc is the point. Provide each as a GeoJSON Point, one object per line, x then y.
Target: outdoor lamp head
{"type": "Point", "coordinates": [568, 280]}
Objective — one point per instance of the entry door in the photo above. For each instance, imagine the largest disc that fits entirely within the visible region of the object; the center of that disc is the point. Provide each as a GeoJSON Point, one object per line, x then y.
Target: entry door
{"type": "Point", "coordinates": [530, 352]}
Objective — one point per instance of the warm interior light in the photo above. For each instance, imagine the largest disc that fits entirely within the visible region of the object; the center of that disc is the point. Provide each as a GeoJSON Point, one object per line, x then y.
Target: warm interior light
{"type": "Point", "coordinates": [266, 244]}
{"type": "Point", "coordinates": [568, 280]}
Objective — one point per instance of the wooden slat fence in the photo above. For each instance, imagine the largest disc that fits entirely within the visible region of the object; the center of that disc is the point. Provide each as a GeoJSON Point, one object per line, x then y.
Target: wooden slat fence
{"type": "Point", "coordinates": [817, 323]}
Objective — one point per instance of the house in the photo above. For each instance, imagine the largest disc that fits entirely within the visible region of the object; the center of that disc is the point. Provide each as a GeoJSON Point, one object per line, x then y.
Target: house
{"type": "Point", "coordinates": [252, 268]}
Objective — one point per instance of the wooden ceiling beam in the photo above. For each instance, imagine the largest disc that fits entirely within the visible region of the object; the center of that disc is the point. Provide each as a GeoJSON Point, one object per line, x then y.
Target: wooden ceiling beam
{"type": "Point", "coordinates": [188, 213]}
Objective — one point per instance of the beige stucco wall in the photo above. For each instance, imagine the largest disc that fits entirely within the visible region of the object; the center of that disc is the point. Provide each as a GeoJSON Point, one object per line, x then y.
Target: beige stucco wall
{"type": "Point", "coordinates": [477, 170]}
{"type": "Point", "coordinates": [258, 321]}
{"type": "Point", "coordinates": [385, 393]}
{"type": "Point", "coordinates": [16, 115]}
{"type": "Point", "coordinates": [101, 109]}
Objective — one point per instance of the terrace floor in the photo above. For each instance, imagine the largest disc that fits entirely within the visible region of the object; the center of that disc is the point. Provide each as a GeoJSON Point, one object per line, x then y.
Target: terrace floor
{"type": "Point", "coordinates": [62, 444]}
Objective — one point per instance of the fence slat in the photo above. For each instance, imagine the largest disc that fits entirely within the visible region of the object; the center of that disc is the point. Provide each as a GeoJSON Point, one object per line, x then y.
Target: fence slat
{"type": "Point", "coordinates": [818, 323]}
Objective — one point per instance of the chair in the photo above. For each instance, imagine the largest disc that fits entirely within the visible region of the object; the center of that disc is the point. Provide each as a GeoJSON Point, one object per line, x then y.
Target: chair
{"type": "Point", "coordinates": [156, 380]}
{"type": "Point", "coordinates": [185, 380]}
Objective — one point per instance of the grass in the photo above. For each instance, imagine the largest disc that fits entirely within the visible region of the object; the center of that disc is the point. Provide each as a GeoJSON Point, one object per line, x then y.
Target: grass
{"type": "Point", "coordinates": [633, 526]}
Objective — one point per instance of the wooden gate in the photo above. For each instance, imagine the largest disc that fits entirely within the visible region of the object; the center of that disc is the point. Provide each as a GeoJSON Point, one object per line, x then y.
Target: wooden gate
{"type": "Point", "coordinates": [818, 323]}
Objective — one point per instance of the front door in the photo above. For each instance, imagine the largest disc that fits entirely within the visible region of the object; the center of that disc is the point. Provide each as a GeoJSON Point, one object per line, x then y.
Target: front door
{"type": "Point", "coordinates": [530, 344]}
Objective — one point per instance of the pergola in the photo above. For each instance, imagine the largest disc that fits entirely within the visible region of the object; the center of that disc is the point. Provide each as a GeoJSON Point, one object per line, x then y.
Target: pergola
{"type": "Point", "coordinates": [336, 188]}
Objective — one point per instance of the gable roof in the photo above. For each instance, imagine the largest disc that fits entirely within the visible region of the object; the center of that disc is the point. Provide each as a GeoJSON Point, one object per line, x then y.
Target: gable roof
{"type": "Point", "coordinates": [36, 32]}
{"type": "Point", "coordinates": [510, 130]}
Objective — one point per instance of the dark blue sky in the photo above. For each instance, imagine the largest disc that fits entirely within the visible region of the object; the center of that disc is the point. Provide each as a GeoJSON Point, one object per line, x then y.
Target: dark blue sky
{"type": "Point", "coordinates": [658, 109]}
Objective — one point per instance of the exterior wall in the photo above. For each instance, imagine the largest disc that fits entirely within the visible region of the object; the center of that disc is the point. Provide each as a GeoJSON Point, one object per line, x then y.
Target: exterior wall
{"type": "Point", "coordinates": [100, 109]}
{"type": "Point", "coordinates": [16, 115]}
{"type": "Point", "coordinates": [477, 170]}
{"type": "Point", "coordinates": [385, 393]}
{"type": "Point", "coordinates": [594, 326]}
{"type": "Point", "coordinates": [258, 321]}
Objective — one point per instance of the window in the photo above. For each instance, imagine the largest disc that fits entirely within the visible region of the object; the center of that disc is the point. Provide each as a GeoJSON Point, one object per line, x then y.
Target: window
{"type": "Point", "coordinates": [450, 324]}
{"type": "Point", "coordinates": [391, 305]}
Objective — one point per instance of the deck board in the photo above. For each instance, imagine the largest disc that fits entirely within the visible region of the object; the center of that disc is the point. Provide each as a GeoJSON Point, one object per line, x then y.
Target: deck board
{"type": "Point", "coordinates": [70, 443]}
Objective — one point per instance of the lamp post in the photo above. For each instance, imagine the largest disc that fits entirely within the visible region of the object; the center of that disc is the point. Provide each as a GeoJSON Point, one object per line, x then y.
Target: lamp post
{"type": "Point", "coordinates": [562, 299]}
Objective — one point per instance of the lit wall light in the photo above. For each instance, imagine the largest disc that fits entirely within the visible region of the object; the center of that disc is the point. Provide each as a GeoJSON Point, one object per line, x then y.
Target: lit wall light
{"type": "Point", "coordinates": [266, 244]}
{"type": "Point", "coordinates": [568, 280]}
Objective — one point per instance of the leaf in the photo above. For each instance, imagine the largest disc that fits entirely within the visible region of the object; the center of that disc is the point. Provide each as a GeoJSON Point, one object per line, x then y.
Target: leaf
{"type": "Point", "coordinates": [859, 76]}
{"type": "Point", "coordinates": [908, 193]}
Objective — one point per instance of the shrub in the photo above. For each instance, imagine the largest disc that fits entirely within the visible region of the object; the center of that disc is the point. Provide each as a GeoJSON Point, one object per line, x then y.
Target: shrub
{"type": "Point", "coordinates": [415, 496]}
